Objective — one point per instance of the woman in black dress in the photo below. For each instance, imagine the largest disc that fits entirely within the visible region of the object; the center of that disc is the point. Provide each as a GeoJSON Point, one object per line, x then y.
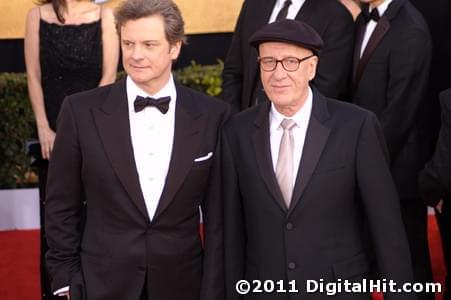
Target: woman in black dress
{"type": "Point", "coordinates": [70, 46]}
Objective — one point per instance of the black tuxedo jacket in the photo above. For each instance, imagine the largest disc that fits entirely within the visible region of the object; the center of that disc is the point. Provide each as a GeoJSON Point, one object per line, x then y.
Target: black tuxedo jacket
{"type": "Point", "coordinates": [119, 251]}
{"type": "Point", "coordinates": [328, 17]}
{"type": "Point", "coordinates": [390, 80]}
{"type": "Point", "coordinates": [438, 17]}
{"type": "Point", "coordinates": [344, 197]}
{"type": "Point", "coordinates": [435, 179]}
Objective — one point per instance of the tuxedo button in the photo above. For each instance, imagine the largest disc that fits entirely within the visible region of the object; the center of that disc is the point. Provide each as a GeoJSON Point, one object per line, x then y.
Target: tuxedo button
{"type": "Point", "coordinates": [289, 226]}
{"type": "Point", "coordinates": [291, 266]}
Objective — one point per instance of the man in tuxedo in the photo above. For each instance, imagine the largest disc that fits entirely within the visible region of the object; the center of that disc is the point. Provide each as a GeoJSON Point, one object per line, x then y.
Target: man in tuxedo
{"type": "Point", "coordinates": [140, 153]}
{"type": "Point", "coordinates": [307, 189]}
{"type": "Point", "coordinates": [435, 183]}
{"type": "Point", "coordinates": [242, 86]}
{"type": "Point", "coordinates": [438, 17]}
{"type": "Point", "coordinates": [391, 70]}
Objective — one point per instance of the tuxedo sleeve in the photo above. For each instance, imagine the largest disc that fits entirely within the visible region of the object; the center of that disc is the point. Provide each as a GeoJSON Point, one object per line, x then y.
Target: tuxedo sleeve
{"type": "Point", "coordinates": [234, 229]}
{"type": "Point", "coordinates": [233, 67]}
{"type": "Point", "coordinates": [408, 78]}
{"type": "Point", "coordinates": [64, 201]}
{"type": "Point", "coordinates": [213, 269]}
{"type": "Point", "coordinates": [442, 156]}
{"type": "Point", "coordinates": [382, 208]}
{"type": "Point", "coordinates": [435, 179]}
{"type": "Point", "coordinates": [335, 61]}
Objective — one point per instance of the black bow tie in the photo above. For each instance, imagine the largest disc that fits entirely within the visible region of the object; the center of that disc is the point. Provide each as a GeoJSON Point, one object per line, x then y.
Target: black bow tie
{"type": "Point", "coordinates": [161, 103]}
{"type": "Point", "coordinates": [373, 15]}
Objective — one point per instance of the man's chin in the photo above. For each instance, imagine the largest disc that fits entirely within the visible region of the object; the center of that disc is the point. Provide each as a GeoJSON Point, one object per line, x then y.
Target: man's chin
{"type": "Point", "coordinates": [138, 79]}
{"type": "Point", "coordinates": [281, 99]}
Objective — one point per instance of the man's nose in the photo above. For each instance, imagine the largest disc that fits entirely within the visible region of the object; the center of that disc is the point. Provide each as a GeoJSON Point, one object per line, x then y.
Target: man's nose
{"type": "Point", "coordinates": [279, 72]}
{"type": "Point", "coordinates": [137, 53]}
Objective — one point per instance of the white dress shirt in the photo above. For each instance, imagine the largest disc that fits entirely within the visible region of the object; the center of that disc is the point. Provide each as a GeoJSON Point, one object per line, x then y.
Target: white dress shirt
{"type": "Point", "coordinates": [372, 25]}
{"type": "Point", "coordinates": [302, 118]}
{"type": "Point", "coordinates": [293, 9]}
{"type": "Point", "coordinates": [152, 135]}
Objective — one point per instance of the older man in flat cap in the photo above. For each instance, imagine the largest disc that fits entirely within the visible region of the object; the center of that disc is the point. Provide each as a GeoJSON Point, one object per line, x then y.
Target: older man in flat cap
{"type": "Point", "coordinates": [308, 196]}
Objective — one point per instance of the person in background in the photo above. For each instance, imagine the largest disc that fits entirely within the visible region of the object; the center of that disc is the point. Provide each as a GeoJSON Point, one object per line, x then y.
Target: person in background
{"type": "Point", "coordinates": [392, 59]}
{"type": "Point", "coordinates": [353, 6]}
{"type": "Point", "coordinates": [435, 184]}
{"type": "Point", "coordinates": [438, 17]}
{"type": "Point", "coordinates": [242, 87]}
{"type": "Point", "coordinates": [70, 46]}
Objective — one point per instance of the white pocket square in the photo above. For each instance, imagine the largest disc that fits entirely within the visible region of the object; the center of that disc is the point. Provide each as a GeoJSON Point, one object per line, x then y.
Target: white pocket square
{"type": "Point", "coordinates": [202, 158]}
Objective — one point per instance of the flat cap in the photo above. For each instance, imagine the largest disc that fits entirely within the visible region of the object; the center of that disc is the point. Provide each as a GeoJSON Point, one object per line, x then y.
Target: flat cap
{"type": "Point", "coordinates": [288, 31]}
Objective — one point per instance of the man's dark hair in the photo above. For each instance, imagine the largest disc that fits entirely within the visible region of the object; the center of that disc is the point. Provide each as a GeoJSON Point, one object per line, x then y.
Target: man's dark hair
{"type": "Point", "coordinates": [167, 9]}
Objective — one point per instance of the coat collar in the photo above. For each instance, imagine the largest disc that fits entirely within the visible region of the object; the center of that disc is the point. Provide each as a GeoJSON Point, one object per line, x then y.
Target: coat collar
{"type": "Point", "coordinates": [113, 124]}
{"type": "Point", "coordinates": [316, 138]}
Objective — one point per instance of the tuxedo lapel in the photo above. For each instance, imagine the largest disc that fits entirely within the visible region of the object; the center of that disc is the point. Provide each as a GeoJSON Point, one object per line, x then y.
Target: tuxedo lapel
{"type": "Point", "coordinates": [189, 123]}
{"type": "Point", "coordinates": [113, 125]}
{"type": "Point", "coordinates": [307, 11]}
{"type": "Point", "coordinates": [359, 35]}
{"type": "Point", "coordinates": [379, 32]}
{"type": "Point", "coordinates": [265, 11]}
{"type": "Point", "coordinates": [262, 151]}
{"type": "Point", "coordinates": [382, 27]}
{"type": "Point", "coordinates": [315, 141]}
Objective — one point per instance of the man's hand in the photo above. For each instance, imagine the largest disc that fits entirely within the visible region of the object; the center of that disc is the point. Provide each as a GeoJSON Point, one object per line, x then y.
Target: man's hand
{"type": "Point", "coordinates": [439, 206]}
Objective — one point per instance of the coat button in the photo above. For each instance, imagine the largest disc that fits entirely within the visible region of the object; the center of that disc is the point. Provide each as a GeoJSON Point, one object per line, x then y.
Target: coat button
{"type": "Point", "coordinates": [289, 226]}
{"type": "Point", "coordinates": [291, 266]}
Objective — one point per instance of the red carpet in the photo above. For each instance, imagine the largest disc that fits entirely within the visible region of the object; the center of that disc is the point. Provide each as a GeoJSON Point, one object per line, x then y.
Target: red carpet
{"type": "Point", "coordinates": [19, 263]}
{"type": "Point", "coordinates": [435, 248]}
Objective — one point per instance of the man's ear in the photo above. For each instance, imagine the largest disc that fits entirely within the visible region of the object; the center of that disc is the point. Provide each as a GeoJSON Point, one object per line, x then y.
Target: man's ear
{"type": "Point", "coordinates": [174, 49]}
{"type": "Point", "coordinates": [313, 65]}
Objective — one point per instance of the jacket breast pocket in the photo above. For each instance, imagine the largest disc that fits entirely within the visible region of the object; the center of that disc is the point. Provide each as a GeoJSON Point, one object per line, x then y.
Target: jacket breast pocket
{"type": "Point", "coordinates": [333, 159]}
{"type": "Point", "coordinates": [202, 165]}
{"type": "Point", "coordinates": [329, 167]}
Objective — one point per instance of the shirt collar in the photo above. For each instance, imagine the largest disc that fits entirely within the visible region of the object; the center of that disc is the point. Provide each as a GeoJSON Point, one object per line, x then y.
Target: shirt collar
{"type": "Point", "coordinates": [381, 8]}
{"type": "Point", "coordinates": [134, 90]}
{"type": "Point", "coordinates": [300, 117]}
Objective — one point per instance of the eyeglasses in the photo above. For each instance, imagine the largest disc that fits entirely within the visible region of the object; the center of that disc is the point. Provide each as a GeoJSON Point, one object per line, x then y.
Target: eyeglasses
{"type": "Point", "coordinates": [290, 64]}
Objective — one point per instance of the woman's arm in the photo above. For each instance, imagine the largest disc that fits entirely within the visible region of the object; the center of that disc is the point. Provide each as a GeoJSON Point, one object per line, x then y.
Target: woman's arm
{"type": "Point", "coordinates": [110, 43]}
{"type": "Point", "coordinates": [31, 48]}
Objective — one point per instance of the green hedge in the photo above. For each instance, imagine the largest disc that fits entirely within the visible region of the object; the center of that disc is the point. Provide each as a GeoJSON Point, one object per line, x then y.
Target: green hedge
{"type": "Point", "coordinates": [17, 121]}
{"type": "Point", "coordinates": [16, 125]}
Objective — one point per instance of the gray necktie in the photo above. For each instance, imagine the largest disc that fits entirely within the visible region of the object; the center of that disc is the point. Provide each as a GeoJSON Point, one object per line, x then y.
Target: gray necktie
{"type": "Point", "coordinates": [284, 11]}
{"type": "Point", "coordinates": [284, 168]}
